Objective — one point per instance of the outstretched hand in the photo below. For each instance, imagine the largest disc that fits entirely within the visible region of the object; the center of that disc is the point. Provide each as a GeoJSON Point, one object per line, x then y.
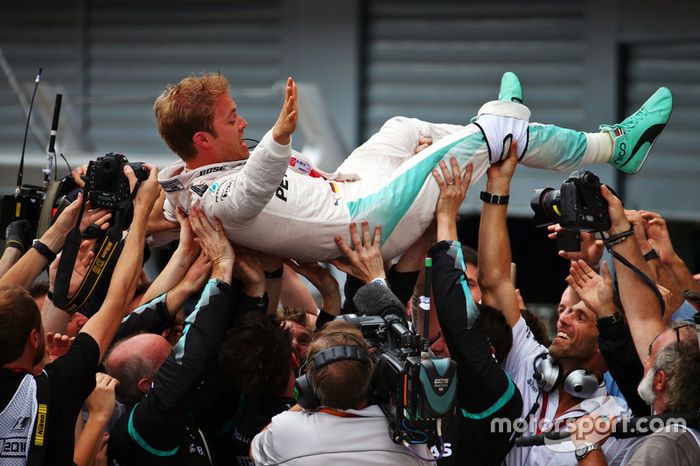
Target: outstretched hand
{"type": "Point", "coordinates": [68, 217]}
{"type": "Point", "coordinates": [324, 282]}
{"type": "Point", "coordinates": [595, 290]}
{"type": "Point", "coordinates": [186, 242]}
{"type": "Point", "coordinates": [453, 187]}
{"type": "Point", "coordinates": [149, 189]}
{"type": "Point", "coordinates": [657, 233]}
{"type": "Point", "coordinates": [503, 171]}
{"type": "Point", "coordinates": [214, 243]}
{"type": "Point", "coordinates": [364, 261]}
{"type": "Point", "coordinates": [83, 260]}
{"type": "Point", "coordinates": [57, 345]}
{"type": "Point", "coordinates": [287, 121]}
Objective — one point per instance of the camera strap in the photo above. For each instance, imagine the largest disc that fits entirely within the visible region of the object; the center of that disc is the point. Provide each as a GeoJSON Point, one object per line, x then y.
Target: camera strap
{"type": "Point", "coordinates": [642, 275]}
{"type": "Point", "coordinates": [95, 284]}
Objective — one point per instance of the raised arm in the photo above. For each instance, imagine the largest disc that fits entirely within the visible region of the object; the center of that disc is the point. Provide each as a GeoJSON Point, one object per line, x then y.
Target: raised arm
{"type": "Point", "coordinates": [103, 325]}
{"type": "Point", "coordinates": [159, 314]}
{"type": "Point", "coordinates": [638, 299]}
{"type": "Point", "coordinates": [25, 271]}
{"type": "Point", "coordinates": [179, 263]}
{"type": "Point", "coordinates": [260, 177]}
{"type": "Point", "coordinates": [494, 245]}
{"type": "Point", "coordinates": [658, 235]}
{"type": "Point", "coordinates": [495, 396]}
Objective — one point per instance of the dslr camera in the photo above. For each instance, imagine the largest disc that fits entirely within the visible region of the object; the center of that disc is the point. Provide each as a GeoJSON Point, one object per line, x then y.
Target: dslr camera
{"type": "Point", "coordinates": [577, 205]}
{"type": "Point", "coordinates": [106, 184]}
{"type": "Point", "coordinates": [415, 391]}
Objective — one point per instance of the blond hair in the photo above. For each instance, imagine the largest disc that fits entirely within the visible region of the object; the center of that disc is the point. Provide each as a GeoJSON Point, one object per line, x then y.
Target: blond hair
{"type": "Point", "coordinates": [186, 108]}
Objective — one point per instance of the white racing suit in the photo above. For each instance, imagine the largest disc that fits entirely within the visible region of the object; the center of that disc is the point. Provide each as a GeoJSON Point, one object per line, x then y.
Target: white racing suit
{"type": "Point", "coordinates": [267, 206]}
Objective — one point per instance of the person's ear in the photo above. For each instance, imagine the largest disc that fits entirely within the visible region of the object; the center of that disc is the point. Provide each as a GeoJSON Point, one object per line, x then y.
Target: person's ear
{"type": "Point", "coordinates": [144, 384]}
{"type": "Point", "coordinates": [660, 381]}
{"type": "Point", "coordinates": [201, 139]}
{"type": "Point", "coordinates": [35, 338]}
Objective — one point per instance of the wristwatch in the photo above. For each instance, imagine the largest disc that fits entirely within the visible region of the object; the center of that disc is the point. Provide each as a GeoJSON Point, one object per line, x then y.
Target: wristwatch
{"type": "Point", "coordinates": [381, 281]}
{"type": "Point", "coordinates": [583, 450]}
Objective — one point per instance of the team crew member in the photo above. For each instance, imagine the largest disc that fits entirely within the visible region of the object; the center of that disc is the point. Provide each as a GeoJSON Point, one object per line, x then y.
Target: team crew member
{"type": "Point", "coordinates": [474, 336]}
{"type": "Point", "coordinates": [256, 194]}
{"type": "Point", "coordinates": [158, 427]}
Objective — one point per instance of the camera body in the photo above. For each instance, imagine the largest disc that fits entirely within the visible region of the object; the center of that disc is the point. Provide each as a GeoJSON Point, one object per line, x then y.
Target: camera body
{"type": "Point", "coordinates": [106, 185]}
{"type": "Point", "coordinates": [413, 389]}
{"type": "Point", "coordinates": [577, 205]}
{"type": "Point", "coordinates": [26, 205]}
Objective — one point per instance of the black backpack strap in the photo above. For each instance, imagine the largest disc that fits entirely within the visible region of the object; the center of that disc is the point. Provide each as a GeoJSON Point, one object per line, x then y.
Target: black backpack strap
{"type": "Point", "coordinates": [37, 447]}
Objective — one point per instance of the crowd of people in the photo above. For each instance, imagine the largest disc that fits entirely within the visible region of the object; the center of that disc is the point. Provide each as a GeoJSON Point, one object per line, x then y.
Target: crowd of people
{"type": "Point", "coordinates": [226, 357]}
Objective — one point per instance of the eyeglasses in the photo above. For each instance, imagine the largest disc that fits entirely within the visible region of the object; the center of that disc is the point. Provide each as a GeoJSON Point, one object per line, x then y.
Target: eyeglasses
{"type": "Point", "coordinates": [676, 325]}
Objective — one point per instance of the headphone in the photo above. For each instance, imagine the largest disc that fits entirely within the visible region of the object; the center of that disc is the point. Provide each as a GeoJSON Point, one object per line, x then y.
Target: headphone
{"type": "Point", "coordinates": [580, 383]}
{"type": "Point", "coordinates": [306, 397]}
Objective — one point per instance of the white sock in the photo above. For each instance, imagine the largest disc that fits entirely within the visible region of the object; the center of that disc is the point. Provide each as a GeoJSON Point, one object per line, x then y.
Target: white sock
{"type": "Point", "coordinates": [599, 148]}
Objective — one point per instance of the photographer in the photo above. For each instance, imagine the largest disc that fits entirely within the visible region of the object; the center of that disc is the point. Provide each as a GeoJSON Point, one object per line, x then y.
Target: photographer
{"type": "Point", "coordinates": [573, 354]}
{"type": "Point", "coordinates": [345, 430]}
{"type": "Point", "coordinates": [70, 378]}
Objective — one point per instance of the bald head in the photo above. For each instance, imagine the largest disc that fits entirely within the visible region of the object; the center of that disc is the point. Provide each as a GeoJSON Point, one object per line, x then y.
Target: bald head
{"type": "Point", "coordinates": [134, 362]}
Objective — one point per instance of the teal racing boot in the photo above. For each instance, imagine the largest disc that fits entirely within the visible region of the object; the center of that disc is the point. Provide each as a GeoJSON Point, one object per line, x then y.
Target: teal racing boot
{"type": "Point", "coordinates": [511, 90]}
{"type": "Point", "coordinates": [635, 136]}
{"type": "Point", "coordinates": [505, 120]}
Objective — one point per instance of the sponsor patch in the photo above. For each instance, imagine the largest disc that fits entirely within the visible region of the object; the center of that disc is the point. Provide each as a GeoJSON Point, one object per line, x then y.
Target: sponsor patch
{"type": "Point", "coordinates": [206, 171]}
{"type": "Point", "coordinates": [22, 423]}
{"type": "Point", "coordinates": [199, 190]}
{"type": "Point", "coordinates": [224, 189]}
{"type": "Point", "coordinates": [171, 186]}
{"type": "Point", "coordinates": [13, 447]}
{"type": "Point", "coordinates": [40, 425]}
{"type": "Point", "coordinates": [281, 192]}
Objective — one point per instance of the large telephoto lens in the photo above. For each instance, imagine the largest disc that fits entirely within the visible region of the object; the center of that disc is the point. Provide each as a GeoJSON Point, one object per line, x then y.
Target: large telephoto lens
{"type": "Point", "coordinates": [545, 204]}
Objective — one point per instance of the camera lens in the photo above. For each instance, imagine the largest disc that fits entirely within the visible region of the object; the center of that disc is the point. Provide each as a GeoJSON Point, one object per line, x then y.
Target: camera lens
{"type": "Point", "coordinates": [545, 204]}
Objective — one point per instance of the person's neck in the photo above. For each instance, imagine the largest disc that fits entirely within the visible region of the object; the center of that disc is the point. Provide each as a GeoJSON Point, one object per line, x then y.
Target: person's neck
{"type": "Point", "coordinates": [566, 402]}
{"type": "Point", "coordinates": [19, 365]}
{"type": "Point", "coordinates": [289, 389]}
{"type": "Point", "coordinates": [194, 164]}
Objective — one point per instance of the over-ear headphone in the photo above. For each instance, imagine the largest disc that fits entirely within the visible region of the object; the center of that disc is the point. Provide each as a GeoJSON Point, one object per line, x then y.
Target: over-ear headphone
{"type": "Point", "coordinates": [306, 397]}
{"type": "Point", "coordinates": [580, 383]}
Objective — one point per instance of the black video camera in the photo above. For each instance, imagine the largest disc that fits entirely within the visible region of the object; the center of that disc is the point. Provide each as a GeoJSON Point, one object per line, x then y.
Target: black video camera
{"type": "Point", "coordinates": [415, 391]}
{"type": "Point", "coordinates": [577, 206]}
{"type": "Point", "coordinates": [24, 205]}
{"type": "Point", "coordinates": [106, 184]}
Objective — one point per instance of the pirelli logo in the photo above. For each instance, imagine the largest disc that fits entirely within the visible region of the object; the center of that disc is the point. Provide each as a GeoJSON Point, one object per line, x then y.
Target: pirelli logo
{"type": "Point", "coordinates": [40, 425]}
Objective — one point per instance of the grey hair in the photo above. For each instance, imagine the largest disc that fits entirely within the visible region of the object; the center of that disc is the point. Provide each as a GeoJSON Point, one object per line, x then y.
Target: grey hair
{"type": "Point", "coordinates": [681, 364]}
